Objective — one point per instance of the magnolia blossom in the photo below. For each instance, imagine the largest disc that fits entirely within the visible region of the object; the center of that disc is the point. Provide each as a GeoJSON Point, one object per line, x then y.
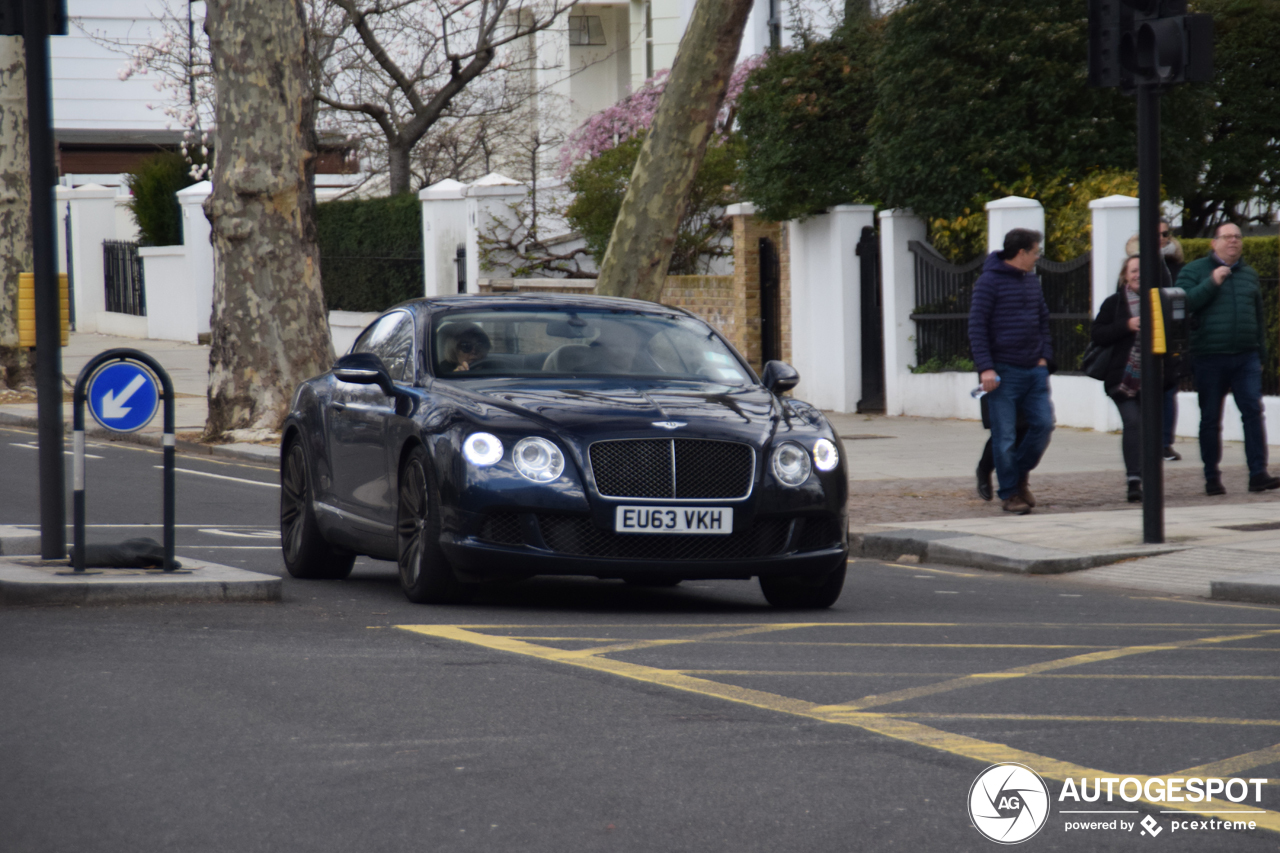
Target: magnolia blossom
{"type": "Point", "coordinates": [623, 120]}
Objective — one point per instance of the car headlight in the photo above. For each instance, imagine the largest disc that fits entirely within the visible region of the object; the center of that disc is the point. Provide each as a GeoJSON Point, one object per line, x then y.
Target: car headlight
{"type": "Point", "coordinates": [538, 459]}
{"type": "Point", "coordinates": [791, 464]}
{"type": "Point", "coordinates": [482, 449]}
{"type": "Point", "coordinates": [825, 455]}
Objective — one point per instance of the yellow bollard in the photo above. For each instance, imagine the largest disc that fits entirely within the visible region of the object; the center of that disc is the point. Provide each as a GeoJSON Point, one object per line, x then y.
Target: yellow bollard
{"type": "Point", "coordinates": [27, 308]}
{"type": "Point", "coordinates": [1157, 323]}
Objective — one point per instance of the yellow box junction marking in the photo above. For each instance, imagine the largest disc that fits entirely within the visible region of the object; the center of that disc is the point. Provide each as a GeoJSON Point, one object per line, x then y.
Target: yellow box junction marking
{"type": "Point", "coordinates": [884, 724]}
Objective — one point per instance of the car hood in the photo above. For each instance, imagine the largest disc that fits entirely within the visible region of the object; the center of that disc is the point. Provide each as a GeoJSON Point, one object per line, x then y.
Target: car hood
{"type": "Point", "coordinates": [749, 412]}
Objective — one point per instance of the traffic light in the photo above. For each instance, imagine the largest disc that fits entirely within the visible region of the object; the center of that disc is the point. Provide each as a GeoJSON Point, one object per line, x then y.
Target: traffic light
{"type": "Point", "coordinates": [1133, 42]}
{"type": "Point", "coordinates": [11, 17]}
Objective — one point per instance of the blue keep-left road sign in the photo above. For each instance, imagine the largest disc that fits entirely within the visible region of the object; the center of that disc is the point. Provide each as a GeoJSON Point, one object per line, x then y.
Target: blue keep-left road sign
{"type": "Point", "coordinates": [123, 396]}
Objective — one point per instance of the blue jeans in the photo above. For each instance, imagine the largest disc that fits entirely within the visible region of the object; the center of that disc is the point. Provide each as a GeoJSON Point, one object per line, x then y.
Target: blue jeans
{"type": "Point", "coordinates": [1241, 374]}
{"type": "Point", "coordinates": [1170, 414]}
{"type": "Point", "coordinates": [1024, 389]}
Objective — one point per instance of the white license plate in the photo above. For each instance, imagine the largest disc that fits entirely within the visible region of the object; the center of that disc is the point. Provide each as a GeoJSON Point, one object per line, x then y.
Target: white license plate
{"type": "Point", "coordinates": [674, 519]}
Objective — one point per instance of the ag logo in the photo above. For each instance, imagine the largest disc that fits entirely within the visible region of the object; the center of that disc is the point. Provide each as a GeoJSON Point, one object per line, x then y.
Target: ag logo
{"type": "Point", "coordinates": [1008, 802]}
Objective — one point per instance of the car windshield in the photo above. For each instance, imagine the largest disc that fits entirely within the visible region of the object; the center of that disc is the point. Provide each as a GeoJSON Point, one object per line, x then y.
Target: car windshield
{"type": "Point", "coordinates": [580, 343]}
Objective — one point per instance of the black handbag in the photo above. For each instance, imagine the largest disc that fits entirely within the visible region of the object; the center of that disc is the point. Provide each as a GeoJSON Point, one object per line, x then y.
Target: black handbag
{"type": "Point", "coordinates": [1095, 361]}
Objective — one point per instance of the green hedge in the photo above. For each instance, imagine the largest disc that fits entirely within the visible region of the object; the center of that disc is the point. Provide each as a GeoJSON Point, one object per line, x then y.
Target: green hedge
{"type": "Point", "coordinates": [1261, 253]}
{"type": "Point", "coordinates": [370, 252]}
{"type": "Point", "coordinates": [154, 204]}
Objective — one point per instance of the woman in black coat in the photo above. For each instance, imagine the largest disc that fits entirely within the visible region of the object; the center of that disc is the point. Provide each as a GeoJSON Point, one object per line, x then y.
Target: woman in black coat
{"type": "Point", "coordinates": [1117, 326]}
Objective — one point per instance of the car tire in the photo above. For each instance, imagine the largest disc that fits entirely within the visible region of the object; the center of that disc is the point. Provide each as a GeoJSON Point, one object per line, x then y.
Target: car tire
{"type": "Point", "coordinates": [425, 574]}
{"type": "Point", "coordinates": [803, 593]}
{"type": "Point", "coordinates": [307, 554]}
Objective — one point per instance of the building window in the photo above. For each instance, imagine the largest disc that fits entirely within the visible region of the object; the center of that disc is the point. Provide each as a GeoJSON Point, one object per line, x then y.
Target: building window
{"type": "Point", "coordinates": [586, 30]}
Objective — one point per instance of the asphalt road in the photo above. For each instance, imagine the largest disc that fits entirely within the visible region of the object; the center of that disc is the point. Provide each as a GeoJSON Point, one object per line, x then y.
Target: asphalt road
{"type": "Point", "coordinates": [575, 715]}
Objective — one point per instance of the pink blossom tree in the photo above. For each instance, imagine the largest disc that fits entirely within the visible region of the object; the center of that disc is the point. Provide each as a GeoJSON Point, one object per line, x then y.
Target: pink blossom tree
{"type": "Point", "coordinates": [634, 113]}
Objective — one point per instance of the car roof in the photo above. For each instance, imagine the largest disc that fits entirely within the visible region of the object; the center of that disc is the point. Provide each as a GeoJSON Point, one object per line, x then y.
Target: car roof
{"type": "Point", "coordinates": [555, 301]}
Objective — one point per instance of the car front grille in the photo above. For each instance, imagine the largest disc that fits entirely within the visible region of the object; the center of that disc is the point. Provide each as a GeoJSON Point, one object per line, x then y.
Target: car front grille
{"type": "Point", "coordinates": [679, 468]}
{"type": "Point", "coordinates": [578, 536]}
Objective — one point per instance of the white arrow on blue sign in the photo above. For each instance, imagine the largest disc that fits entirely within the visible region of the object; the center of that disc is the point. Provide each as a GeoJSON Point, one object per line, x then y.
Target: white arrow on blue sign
{"type": "Point", "coordinates": [123, 396]}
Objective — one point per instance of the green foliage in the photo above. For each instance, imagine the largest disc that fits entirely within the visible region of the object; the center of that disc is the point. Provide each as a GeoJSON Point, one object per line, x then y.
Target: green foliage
{"type": "Point", "coordinates": [600, 184]}
{"type": "Point", "coordinates": [1261, 253]}
{"type": "Point", "coordinates": [803, 116]}
{"type": "Point", "coordinates": [939, 365]}
{"type": "Point", "coordinates": [1233, 138]}
{"type": "Point", "coordinates": [972, 94]}
{"type": "Point", "coordinates": [1068, 222]}
{"type": "Point", "coordinates": [370, 252]}
{"type": "Point", "coordinates": [154, 205]}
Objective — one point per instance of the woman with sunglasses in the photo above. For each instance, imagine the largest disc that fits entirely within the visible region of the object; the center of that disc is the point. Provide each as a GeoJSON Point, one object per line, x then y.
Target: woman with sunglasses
{"type": "Point", "coordinates": [464, 345]}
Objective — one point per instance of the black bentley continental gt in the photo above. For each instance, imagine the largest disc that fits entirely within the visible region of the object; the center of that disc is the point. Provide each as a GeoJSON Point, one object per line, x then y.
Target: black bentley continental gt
{"type": "Point", "coordinates": [491, 437]}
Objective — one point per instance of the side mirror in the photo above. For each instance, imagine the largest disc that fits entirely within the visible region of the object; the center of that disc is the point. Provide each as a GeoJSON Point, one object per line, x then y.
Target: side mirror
{"type": "Point", "coordinates": [780, 377]}
{"type": "Point", "coordinates": [365, 368]}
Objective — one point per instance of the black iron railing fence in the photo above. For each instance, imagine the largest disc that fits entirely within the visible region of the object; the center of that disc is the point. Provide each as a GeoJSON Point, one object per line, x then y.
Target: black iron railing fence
{"type": "Point", "coordinates": [943, 293]}
{"type": "Point", "coordinates": [122, 273]}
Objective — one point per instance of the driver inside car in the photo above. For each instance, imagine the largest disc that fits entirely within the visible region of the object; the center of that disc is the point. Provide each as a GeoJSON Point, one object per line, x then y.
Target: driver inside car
{"type": "Point", "coordinates": [463, 345]}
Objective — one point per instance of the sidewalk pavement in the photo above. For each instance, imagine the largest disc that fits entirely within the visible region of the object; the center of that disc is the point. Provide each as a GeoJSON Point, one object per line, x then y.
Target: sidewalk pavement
{"type": "Point", "coordinates": [188, 369]}
{"type": "Point", "coordinates": [916, 473]}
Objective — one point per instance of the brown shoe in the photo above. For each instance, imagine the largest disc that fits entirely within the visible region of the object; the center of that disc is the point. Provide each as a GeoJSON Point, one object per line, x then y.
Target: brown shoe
{"type": "Point", "coordinates": [1024, 492]}
{"type": "Point", "coordinates": [1016, 504]}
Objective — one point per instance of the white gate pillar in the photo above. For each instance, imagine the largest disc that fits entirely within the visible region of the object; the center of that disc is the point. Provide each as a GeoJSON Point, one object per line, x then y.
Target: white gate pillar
{"type": "Point", "coordinates": [898, 282]}
{"type": "Point", "coordinates": [93, 219]}
{"type": "Point", "coordinates": [1009, 213]}
{"type": "Point", "coordinates": [196, 236]}
{"type": "Point", "coordinates": [826, 294]}
{"type": "Point", "coordinates": [1115, 220]}
{"type": "Point", "coordinates": [444, 229]}
{"type": "Point", "coordinates": [489, 198]}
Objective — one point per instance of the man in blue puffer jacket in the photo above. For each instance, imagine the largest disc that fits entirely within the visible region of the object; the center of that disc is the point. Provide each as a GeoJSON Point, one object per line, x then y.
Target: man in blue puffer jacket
{"type": "Point", "coordinates": [1009, 336]}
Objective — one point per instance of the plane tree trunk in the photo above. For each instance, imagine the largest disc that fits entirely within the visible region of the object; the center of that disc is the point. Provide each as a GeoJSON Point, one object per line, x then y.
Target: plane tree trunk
{"type": "Point", "coordinates": [269, 327]}
{"type": "Point", "coordinates": [17, 365]}
{"type": "Point", "coordinates": [639, 253]}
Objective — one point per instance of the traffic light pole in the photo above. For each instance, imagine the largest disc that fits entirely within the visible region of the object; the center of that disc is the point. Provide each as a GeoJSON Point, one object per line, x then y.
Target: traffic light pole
{"type": "Point", "coordinates": [53, 494]}
{"type": "Point", "coordinates": [1152, 395]}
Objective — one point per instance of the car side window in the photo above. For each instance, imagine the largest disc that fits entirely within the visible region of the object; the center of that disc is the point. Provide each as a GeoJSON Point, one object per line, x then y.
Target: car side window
{"type": "Point", "coordinates": [390, 338]}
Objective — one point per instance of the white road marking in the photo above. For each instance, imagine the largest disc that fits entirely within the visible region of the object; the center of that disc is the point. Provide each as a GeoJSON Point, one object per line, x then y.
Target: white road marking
{"type": "Point", "coordinates": [64, 453]}
{"type": "Point", "coordinates": [222, 477]}
{"type": "Point", "coordinates": [252, 534]}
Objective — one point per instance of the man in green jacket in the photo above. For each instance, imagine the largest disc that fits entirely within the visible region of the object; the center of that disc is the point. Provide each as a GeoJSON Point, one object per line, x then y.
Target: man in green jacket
{"type": "Point", "coordinates": [1228, 340]}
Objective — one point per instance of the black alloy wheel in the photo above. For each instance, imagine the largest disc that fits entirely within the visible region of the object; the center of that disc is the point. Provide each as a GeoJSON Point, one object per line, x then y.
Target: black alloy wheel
{"type": "Point", "coordinates": [425, 574]}
{"type": "Point", "coordinates": [306, 553]}
{"type": "Point", "coordinates": [802, 593]}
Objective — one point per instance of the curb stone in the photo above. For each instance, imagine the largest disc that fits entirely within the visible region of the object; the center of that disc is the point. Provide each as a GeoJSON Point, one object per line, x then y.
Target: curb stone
{"type": "Point", "coordinates": [1263, 588]}
{"type": "Point", "coordinates": [956, 548]}
{"type": "Point", "coordinates": [33, 581]}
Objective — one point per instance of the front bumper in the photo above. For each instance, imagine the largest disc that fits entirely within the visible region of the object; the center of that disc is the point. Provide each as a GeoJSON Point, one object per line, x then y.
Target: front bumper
{"type": "Point", "coordinates": [530, 544]}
